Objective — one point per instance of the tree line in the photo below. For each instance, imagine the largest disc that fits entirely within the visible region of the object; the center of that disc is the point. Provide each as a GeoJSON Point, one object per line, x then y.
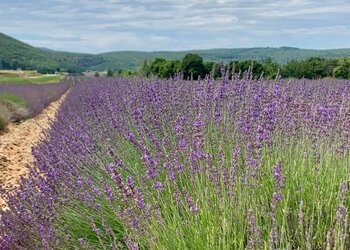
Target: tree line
{"type": "Point", "coordinates": [193, 66]}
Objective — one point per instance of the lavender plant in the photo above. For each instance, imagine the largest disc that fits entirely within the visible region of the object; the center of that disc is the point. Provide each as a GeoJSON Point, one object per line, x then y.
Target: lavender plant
{"type": "Point", "coordinates": [174, 164]}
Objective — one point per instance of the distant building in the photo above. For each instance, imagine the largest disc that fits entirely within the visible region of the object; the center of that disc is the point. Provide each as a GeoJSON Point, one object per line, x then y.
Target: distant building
{"type": "Point", "coordinates": [92, 73]}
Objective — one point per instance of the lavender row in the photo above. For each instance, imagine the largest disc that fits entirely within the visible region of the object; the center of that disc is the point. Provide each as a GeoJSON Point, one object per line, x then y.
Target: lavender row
{"type": "Point", "coordinates": [36, 96]}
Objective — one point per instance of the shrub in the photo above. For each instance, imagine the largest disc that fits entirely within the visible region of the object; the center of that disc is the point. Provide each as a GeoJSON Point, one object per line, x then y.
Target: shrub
{"type": "Point", "coordinates": [5, 116]}
{"type": "Point", "coordinates": [16, 111]}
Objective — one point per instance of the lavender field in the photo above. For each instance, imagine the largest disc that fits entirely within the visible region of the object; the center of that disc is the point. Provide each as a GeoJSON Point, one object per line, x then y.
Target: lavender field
{"type": "Point", "coordinates": [36, 96]}
{"type": "Point", "coordinates": [235, 163]}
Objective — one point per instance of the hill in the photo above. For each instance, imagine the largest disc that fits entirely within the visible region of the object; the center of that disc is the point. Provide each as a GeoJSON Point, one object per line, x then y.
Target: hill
{"type": "Point", "coordinates": [14, 54]}
{"type": "Point", "coordinates": [282, 55]}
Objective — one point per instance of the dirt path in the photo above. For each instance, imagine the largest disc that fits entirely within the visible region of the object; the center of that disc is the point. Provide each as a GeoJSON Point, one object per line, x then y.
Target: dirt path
{"type": "Point", "coordinates": [16, 144]}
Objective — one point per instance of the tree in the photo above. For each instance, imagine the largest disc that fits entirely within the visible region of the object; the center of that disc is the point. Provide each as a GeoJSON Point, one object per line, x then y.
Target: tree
{"type": "Point", "coordinates": [329, 65]}
{"type": "Point", "coordinates": [145, 69]}
{"type": "Point", "coordinates": [243, 66]}
{"type": "Point", "coordinates": [192, 66]}
{"type": "Point", "coordinates": [213, 68]}
{"type": "Point", "coordinates": [343, 71]}
{"type": "Point", "coordinates": [169, 69]}
{"type": "Point", "coordinates": [156, 66]}
{"type": "Point", "coordinates": [312, 68]}
{"type": "Point", "coordinates": [270, 68]}
{"type": "Point", "coordinates": [110, 73]}
{"type": "Point", "coordinates": [292, 69]}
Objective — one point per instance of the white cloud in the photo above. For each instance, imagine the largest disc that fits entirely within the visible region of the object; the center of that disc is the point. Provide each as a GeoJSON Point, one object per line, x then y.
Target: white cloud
{"type": "Point", "coordinates": [96, 26]}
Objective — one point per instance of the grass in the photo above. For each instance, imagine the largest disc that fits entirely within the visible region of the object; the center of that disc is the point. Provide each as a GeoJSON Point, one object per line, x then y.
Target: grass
{"type": "Point", "coordinates": [7, 96]}
{"type": "Point", "coordinates": [13, 76]}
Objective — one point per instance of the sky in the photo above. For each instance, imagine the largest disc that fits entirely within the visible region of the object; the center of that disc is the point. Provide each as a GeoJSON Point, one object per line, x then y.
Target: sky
{"type": "Point", "coordinates": [96, 26]}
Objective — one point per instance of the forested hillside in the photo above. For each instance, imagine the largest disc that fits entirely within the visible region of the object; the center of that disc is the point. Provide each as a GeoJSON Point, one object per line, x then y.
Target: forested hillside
{"type": "Point", "coordinates": [16, 54]}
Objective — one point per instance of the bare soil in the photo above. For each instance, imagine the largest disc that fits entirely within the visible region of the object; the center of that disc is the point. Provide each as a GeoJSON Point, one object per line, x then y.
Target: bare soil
{"type": "Point", "coordinates": [15, 146]}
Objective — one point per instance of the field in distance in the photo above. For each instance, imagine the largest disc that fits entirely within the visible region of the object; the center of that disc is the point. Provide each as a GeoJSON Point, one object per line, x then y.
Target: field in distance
{"type": "Point", "coordinates": [28, 76]}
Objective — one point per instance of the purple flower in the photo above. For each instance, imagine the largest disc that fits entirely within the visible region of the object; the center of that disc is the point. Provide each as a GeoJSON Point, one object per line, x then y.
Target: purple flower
{"type": "Point", "coordinates": [140, 202]}
{"type": "Point", "coordinates": [192, 206]}
{"type": "Point", "coordinates": [172, 176]}
{"type": "Point", "coordinates": [129, 181]}
{"type": "Point", "coordinates": [131, 136]}
{"type": "Point", "coordinates": [341, 213]}
{"type": "Point", "coordinates": [158, 185]}
{"type": "Point", "coordinates": [198, 123]}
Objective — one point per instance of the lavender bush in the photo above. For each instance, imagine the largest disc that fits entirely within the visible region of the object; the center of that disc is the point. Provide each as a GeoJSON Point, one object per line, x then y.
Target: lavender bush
{"type": "Point", "coordinates": [151, 164]}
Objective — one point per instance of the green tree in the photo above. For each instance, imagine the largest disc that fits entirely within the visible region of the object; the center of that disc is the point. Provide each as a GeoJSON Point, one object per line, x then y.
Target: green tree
{"type": "Point", "coordinates": [213, 68]}
{"type": "Point", "coordinates": [329, 65]}
{"type": "Point", "coordinates": [192, 66]}
{"type": "Point", "coordinates": [145, 69]}
{"type": "Point", "coordinates": [156, 65]}
{"type": "Point", "coordinates": [343, 71]}
{"type": "Point", "coordinates": [110, 72]}
{"type": "Point", "coordinates": [243, 66]}
{"type": "Point", "coordinates": [293, 69]}
{"type": "Point", "coordinates": [270, 68]}
{"type": "Point", "coordinates": [169, 69]}
{"type": "Point", "coordinates": [312, 68]}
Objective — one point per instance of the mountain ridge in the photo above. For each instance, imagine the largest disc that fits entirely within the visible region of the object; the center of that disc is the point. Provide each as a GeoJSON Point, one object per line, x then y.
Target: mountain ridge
{"type": "Point", "coordinates": [17, 54]}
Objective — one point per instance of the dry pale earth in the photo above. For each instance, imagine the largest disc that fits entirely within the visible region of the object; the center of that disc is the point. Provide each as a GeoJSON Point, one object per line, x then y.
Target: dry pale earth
{"type": "Point", "coordinates": [16, 146]}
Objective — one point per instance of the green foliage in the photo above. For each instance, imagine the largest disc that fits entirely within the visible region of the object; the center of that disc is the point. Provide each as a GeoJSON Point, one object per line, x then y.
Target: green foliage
{"type": "Point", "coordinates": [311, 68]}
{"type": "Point", "coordinates": [343, 71]}
{"type": "Point", "coordinates": [156, 65]}
{"type": "Point", "coordinates": [110, 72]}
{"type": "Point", "coordinates": [6, 96]}
{"type": "Point", "coordinates": [29, 77]}
{"type": "Point", "coordinates": [192, 66]}
{"type": "Point", "coordinates": [292, 69]}
{"type": "Point", "coordinates": [133, 59]}
{"type": "Point", "coordinates": [170, 68]}
{"type": "Point", "coordinates": [16, 54]}
{"type": "Point", "coordinates": [46, 70]}
{"type": "Point", "coordinates": [213, 68]}
{"type": "Point", "coordinates": [46, 79]}
{"type": "Point", "coordinates": [145, 69]}
{"type": "Point", "coordinates": [13, 78]}
{"type": "Point", "coordinates": [163, 68]}
{"type": "Point", "coordinates": [255, 67]}
{"type": "Point", "coordinates": [127, 72]}
{"type": "Point", "coordinates": [270, 68]}
{"type": "Point", "coordinates": [298, 62]}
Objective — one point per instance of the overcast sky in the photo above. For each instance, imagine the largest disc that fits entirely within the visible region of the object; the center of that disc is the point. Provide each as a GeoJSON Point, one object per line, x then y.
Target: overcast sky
{"type": "Point", "coordinates": [108, 25]}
